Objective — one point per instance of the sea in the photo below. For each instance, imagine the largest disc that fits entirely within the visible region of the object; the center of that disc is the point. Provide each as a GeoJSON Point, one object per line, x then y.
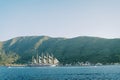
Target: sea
{"type": "Point", "coordinates": [61, 73]}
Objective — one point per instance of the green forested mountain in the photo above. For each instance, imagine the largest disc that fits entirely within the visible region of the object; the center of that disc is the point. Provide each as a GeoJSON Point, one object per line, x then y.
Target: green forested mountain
{"type": "Point", "coordinates": [67, 50]}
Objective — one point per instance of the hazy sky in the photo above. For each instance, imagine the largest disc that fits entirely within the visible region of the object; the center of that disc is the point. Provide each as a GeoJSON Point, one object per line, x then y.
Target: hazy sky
{"type": "Point", "coordinates": [59, 18]}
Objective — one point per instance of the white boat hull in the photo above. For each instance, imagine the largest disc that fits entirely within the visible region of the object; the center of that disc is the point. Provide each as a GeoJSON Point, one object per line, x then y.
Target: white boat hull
{"type": "Point", "coordinates": [41, 65]}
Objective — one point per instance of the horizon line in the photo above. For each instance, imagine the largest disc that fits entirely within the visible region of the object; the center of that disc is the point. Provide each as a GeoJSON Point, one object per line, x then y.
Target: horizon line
{"type": "Point", "coordinates": [58, 37]}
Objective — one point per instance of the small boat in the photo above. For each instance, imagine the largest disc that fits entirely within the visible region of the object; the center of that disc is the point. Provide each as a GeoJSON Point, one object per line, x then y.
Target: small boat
{"type": "Point", "coordinates": [9, 66]}
{"type": "Point", "coordinates": [44, 61]}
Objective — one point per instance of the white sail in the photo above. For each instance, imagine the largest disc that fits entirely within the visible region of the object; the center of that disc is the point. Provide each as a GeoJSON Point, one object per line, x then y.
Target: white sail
{"type": "Point", "coordinates": [45, 57]}
{"type": "Point", "coordinates": [40, 57]}
{"type": "Point", "coordinates": [56, 61]}
{"type": "Point", "coordinates": [50, 61]}
{"type": "Point", "coordinates": [35, 61]}
{"type": "Point", "coordinates": [50, 57]}
{"type": "Point", "coordinates": [40, 61]}
{"type": "Point", "coordinates": [44, 61]}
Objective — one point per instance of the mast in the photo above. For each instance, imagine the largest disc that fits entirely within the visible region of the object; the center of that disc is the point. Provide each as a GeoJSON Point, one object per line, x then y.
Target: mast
{"type": "Point", "coordinates": [47, 58]}
{"type": "Point", "coordinates": [32, 59]}
{"type": "Point", "coordinates": [42, 58]}
{"type": "Point", "coordinates": [52, 59]}
{"type": "Point", "coordinates": [37, 59]}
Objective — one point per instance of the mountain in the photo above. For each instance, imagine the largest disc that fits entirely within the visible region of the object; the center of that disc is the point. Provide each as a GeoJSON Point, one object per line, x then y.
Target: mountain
{"type": "Point", "coordinates": [66, 50]}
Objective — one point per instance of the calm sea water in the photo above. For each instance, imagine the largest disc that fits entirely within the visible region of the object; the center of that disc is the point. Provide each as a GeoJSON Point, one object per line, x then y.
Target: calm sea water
{"type": "Point", "coordinates": [60, 73]}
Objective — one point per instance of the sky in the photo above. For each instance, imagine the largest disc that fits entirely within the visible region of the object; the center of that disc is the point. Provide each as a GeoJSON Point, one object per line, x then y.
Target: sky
{"type": "Point", "coordinates": [59, 18]}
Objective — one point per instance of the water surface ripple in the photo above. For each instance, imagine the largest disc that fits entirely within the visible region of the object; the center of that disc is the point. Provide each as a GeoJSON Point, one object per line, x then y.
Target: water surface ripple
{"type": "Point", "coordinates": [60, 73]}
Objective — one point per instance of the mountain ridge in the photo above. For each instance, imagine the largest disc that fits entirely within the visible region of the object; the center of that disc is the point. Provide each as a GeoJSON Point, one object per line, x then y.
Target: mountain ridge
{"type": "Point", "coordinates": [67, 50]}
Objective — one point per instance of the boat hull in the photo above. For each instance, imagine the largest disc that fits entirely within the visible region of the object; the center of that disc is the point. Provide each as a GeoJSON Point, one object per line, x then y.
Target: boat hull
{"type": "Point", "coordinates": [41, 65]}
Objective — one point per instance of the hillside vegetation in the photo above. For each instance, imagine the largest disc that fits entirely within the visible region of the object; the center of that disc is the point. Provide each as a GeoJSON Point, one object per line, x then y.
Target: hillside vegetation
{"type": "Point", "coordinates": [66, 50]}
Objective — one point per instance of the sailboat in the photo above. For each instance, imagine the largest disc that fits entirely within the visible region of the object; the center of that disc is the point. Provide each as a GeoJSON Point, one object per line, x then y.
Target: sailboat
{"type": "Point", "coordinates": [44, 61]}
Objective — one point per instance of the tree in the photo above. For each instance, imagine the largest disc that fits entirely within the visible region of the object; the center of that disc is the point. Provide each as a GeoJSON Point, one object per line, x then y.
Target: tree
{"type": "Point", "coordinates": [8, 58]}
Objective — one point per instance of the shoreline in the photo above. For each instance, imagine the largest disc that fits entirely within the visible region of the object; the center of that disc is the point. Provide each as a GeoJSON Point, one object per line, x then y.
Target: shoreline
{"type": "Point", "coordinates": [57, 66]}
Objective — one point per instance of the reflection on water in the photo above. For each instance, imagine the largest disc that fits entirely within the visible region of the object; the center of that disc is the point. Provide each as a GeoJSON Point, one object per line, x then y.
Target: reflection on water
{"type": "Point", "coordinates": [61, 73]}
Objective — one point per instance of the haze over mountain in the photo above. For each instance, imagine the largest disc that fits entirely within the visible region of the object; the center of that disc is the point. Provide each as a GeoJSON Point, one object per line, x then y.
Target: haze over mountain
{"type": "Point", "coordinates": [66, 50]}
